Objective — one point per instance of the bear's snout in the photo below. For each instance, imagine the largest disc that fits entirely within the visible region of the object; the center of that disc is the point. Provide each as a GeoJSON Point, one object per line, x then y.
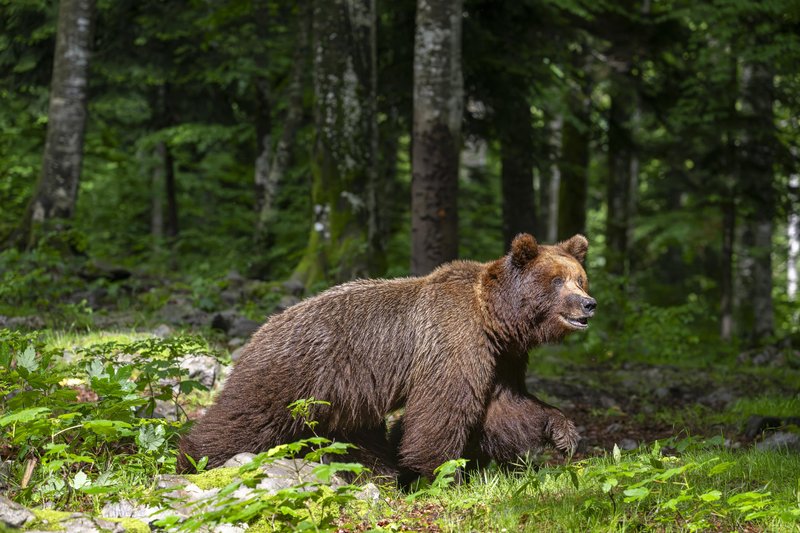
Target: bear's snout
{"type": "Point", "coordinates": [588, 306]}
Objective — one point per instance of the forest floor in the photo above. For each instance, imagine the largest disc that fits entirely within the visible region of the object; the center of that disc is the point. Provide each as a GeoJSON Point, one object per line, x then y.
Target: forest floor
{"type": "Point", "coordinates": [690, 445]}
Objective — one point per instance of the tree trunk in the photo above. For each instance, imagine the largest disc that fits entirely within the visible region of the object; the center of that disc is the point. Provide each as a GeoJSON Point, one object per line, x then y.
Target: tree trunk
{"type": "Point", "coordinates": [621, 184]}
{"type": "Point", "coordinates": [436, 138]}
{"type": "Point", "coordinates": [574, 164]}
{"type": "Point", "coordinates": [757, 179]}
{"type": "Point", "coordinates": [157, 190]}
{"type": "Point", "coordinates": [726, 275]}
{"type": "Point", "coordinates": [793, 234]}
{"type": "Point", "coordinates": [272, 164]}
{"type": "Point", "coordinates": [57, 190]}
{"type": "Point", "coordinates": [550, 184]}
{"type": "Point", "coordinates": [516, 155]}
{"type": "Point", "coordinates": [171, 193]}
{"type": "Point", "coordinates": [344, 156]}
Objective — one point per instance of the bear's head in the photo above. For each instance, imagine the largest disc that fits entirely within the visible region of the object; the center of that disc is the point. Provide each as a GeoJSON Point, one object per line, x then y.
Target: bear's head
{"type": "Point", "coordinates": [538, 293]}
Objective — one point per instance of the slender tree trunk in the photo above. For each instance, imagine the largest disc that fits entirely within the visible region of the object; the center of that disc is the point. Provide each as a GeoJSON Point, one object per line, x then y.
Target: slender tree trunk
{"type": "Point", "coordinates": [436, 138]}
{"type": "Point", "coordinates": [170, 190]}
{"type": "Point", "coordinates": [344, 151]}
{"type": "Point", "coordinates": [516, 158]}
{"type": "Point", "coordinates": [550, 184]}
{"type": "Point", "coordinates": [726, 276]}
{"type": "Point", "coordinates": [757, 179]}
{"type": "Point", "coordinates": [574, 164]}
{"type": "Point", "coordinates": [793, 234]}
{"type": "Point", "coordinates": [57, 190]}
{"type": "Point", "coordinates": [621, 182]}
{"type": "Point", "coordinates": [272, 164]}
{"type": "Point", "coordinates": [157, 190]}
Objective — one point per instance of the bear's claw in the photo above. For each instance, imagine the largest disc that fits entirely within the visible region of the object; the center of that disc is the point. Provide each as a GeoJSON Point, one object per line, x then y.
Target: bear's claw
{"type": "Point", "coordinates": [563, 434]}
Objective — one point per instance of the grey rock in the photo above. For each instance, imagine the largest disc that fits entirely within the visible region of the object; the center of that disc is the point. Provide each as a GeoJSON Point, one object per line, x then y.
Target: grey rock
{"type": "Point", "coordinates": [243, 327]}
{"type": "Point", "coordinates": [628, 444]}
{"type": "Point", "coordinates": [231, 297]}
{"type": "Point", "coordinates": [5, 474]}
{"type": "Point", "coordinates": [170, 481]}
{"type": "Point", "coordinates": [235, 342]}
{"type": "Point", "coordinates": [239, 459]}
{"type": "Point", "coordinates": [294, 287]}
{"type": "Point", "coordinates": [614, 427]}
{"type": "Point", "coordinates": [182, 313]}
{"type": "Point", "coordinates": [234, 278]}
{"type": "Point", "coordinates": [13, 514]}
{"type": "Point", "coordinates": [25, 322]}
{"type": "Point", "coordinates": [223, 320]}
{"type": "Point", "coordinates": [79, 523]}
{"type": "Point", "coordinates": [202, 368]}
{"type": "Point", "coordinates": [369, 493]}
{"type": "Point", "coordinates": [162, 331]}
{"type": "Point", "coordinates": [608, 403]}
{"type": "Point", "coordinates": [237, 353]}
{"type": "Point", "coordinates": [286, 302]}
{"type": "Point", "coordinates": [718, 399]}
{"type": "Point", "coordinates": [130, 509]}
{"type": "Point", "coordinates": [780, 440]}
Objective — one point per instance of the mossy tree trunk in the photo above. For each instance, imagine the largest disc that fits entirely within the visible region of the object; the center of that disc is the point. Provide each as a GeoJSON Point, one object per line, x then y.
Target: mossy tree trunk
{"type": "Point", "coordinates": [341, 245]}
{"type": "Point", "coordinates": [436, 138]}
{"type": "Point", "coordinates": [54, 199]}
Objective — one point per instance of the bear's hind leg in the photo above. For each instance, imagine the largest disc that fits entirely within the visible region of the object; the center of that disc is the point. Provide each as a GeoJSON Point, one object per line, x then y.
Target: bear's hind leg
{"type": "Point", "coordinates": [373, 450]}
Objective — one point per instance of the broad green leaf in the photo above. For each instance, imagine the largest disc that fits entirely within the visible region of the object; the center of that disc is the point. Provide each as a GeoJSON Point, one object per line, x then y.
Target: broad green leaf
{"type": "Point", "coordinates": [25, 415]}
{"type": "Point", "coordinates": [27, 359]}
{"type": "Point", "coordinates": [80, 481]}
{"type": "Point", "coordinates": [720, 468]}
{"type": "Point", "coordinates": [711, 496]}
{"type": "Point", "coordinates": [636, 494]}
{"type": "Point", "coordinates": [609, 484]}
{"type": "Point", "coordinates": [106, 428]}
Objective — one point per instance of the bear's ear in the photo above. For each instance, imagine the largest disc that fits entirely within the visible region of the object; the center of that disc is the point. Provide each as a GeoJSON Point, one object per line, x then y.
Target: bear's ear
{"type": "Point", "coordinates": [576, 246]}
{"type": "Point", "coordinates": [524, 249]}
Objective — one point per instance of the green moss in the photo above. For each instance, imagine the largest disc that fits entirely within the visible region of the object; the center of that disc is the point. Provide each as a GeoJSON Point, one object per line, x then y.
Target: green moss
{"type": "Point", "coordinates": [131, 525]}
{"type": "Point", "coordinates": [48, 519]}
{"type": "Point", "coordinates": [215, 478]}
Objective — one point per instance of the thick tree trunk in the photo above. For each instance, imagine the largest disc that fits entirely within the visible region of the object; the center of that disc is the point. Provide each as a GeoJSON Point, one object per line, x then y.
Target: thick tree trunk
{"type": "Point", "coordinates": [157, 191]}
{"type": "Point", "coordinates": [436, 139]}
{"type": "Point", "coordinates": [273, 163]}
{"type": "Point", "coordinates": [344, 151]}
{"type": "Point", "coordinates": [57, 190]}
{"type": "Point", "coordinates": [574, 163]}
{"type": "Point", "coordinates": [757, 179]}
{"type": "Point", "coordinates": [516, 157]}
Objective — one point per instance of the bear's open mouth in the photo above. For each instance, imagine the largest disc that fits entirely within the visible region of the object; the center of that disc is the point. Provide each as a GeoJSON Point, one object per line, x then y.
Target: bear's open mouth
{"type": "Point", "coordinates": [581, 322]}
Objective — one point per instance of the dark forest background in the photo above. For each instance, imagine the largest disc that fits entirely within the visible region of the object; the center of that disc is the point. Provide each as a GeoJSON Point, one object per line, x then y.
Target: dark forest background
{"type": "Point", "coordinates": [319, 142]}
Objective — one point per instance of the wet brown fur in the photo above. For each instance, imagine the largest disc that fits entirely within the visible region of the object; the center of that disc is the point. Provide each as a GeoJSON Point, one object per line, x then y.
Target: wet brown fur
{"type": "Point", "coordinates": [450, 348]}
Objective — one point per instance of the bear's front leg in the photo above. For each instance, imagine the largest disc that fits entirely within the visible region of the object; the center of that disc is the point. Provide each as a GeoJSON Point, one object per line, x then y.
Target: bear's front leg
{"type": "Point", "coordinates": [435, 428]}
{"type": "Point", "coordinates": [518, 423]}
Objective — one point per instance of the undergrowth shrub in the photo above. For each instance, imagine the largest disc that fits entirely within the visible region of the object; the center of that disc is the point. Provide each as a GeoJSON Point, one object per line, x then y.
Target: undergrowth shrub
{"type": "Point", "coordinates": [81, 429]}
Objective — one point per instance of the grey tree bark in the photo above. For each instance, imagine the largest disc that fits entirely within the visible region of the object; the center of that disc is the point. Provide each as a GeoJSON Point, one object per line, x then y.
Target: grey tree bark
{"type": "Point", "coordinates": [758, 198]}
{"type": "Point", "coordinates": [345, 151]}
{"type": "Point", "coordinates": [436, 138]}
{"type": "Point", "coordinates": [793, 235]}
{"type": "Point", "coordinates": [574, 164]}
{"type": "Point", "coordinates": [550, 184]}
{"type": "Point", "coordinates": [57, 189]}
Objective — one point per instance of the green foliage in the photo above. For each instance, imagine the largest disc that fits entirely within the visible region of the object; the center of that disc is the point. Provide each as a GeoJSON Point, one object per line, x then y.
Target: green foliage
{"type": "Point", "coordinates": [85, 424]}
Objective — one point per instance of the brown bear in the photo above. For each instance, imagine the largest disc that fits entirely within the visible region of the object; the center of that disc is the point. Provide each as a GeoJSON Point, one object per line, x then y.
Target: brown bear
{"type": "Point", "coordinates": [451, 348]}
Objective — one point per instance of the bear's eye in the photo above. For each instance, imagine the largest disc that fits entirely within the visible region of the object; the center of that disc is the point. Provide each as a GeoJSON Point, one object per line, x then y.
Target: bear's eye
{"type": "Point", "coordinates": [558, 282]}
{"type": "Point", "coordinates": [580, 282]}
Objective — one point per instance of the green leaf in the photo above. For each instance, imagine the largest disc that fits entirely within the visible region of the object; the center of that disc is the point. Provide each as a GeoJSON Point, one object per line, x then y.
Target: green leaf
{"type": "Point", "coordinates": [616, 454]}
{"type": "Point", "coordinates": [711, 496]}
{"type": "Point", "coordinates": [26, 415]}
{"type": "Point", "coordinates": [609, 484]}
{"type": "Point", "coordinates": [80, 481]}
{"type": "Point", "coordinates": [720, 468]}
{"type": "Point", "coordinates": [27, 359]}
{"type": "Point", "coordinates": [636, 494]}
{"type": "Point", "coordinates": [106, 428]}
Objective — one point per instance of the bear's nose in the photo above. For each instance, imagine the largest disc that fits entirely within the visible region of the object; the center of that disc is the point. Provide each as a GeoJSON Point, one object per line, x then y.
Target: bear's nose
{"type": "Point", "coordinates": [589, 305]}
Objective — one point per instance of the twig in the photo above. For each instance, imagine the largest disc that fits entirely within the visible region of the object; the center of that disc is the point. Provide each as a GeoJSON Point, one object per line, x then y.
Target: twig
{"type": "Point", "coordinates": [29, 466]}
